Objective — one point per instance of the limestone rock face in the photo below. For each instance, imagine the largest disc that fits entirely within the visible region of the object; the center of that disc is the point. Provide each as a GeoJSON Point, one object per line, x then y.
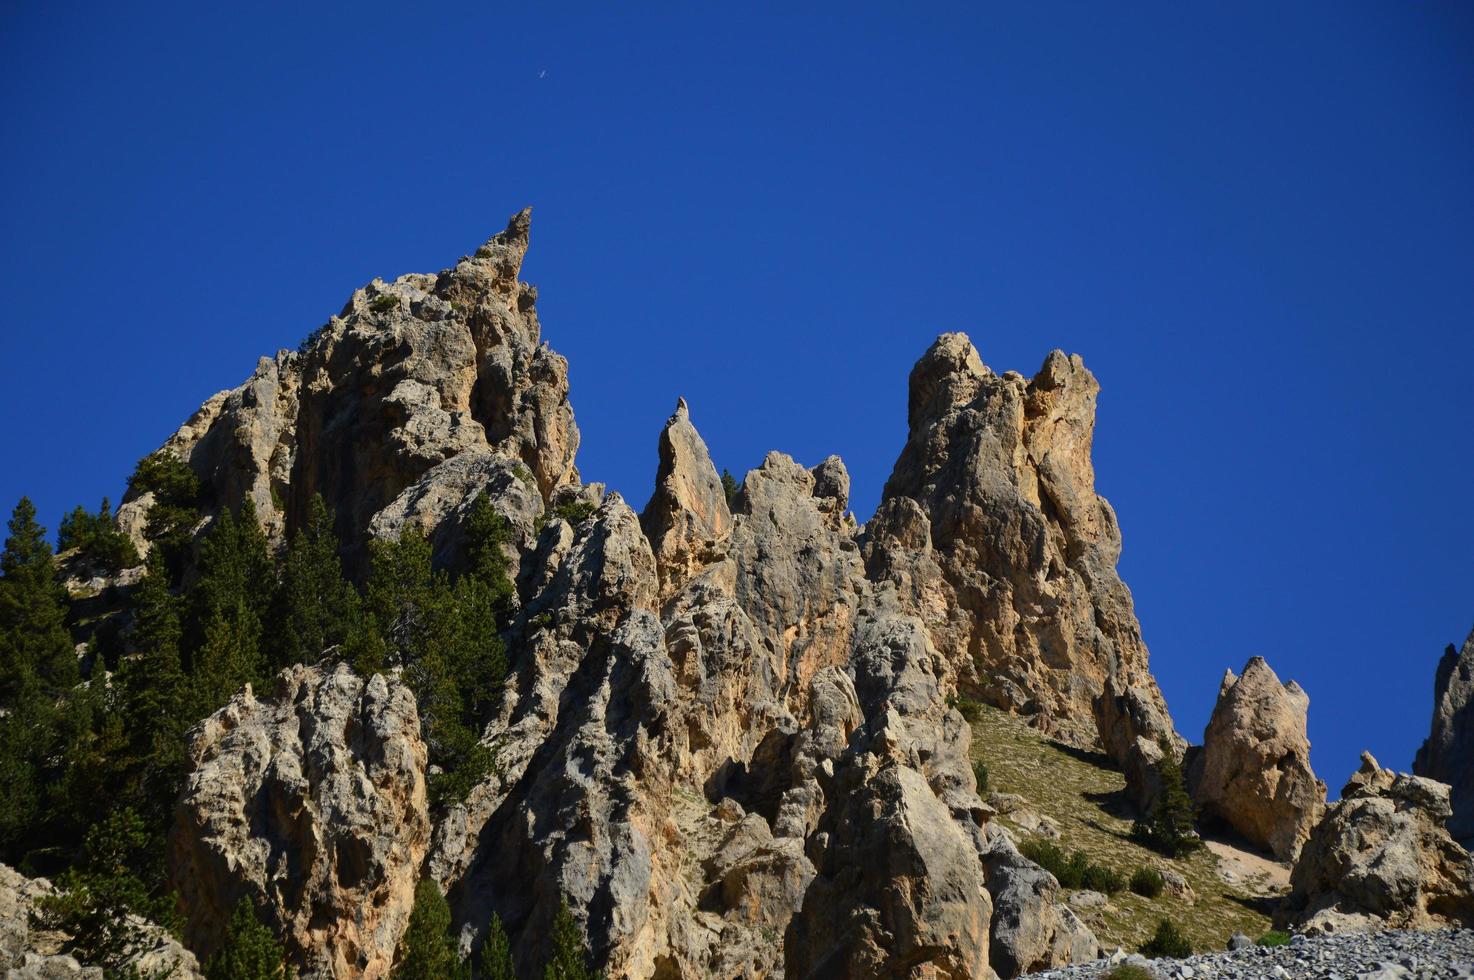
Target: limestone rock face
{"type": "Point", "coordinates": [1254, 768]}
{"type": "Point", "coordinates": [727, 740]}
{"type": "Point", "coordinates": [409, 375]}
{"type": "Point", "coordinates": [312, 803]}
{"type": "Point", "coordinates": [1381, 858]}
{"type": "Point", "coordinates": [241, 444]}
{"type": "Point", "coordinates": [1448, 754]}
{"type": "Point", "coordinates": [1016, 579]}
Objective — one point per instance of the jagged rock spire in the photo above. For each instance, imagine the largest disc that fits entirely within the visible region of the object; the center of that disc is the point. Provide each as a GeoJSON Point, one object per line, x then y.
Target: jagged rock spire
{"type": "Point", "coordinates": [688, 512]}
{"type": "Point", "coordinates": [1448, 753]}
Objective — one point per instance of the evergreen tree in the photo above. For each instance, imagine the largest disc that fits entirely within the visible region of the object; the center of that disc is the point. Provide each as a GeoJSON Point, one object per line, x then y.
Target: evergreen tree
{"type": "Point", "coordinates": [175, 509]}
{"type": "Point", "coordinates": [444, 637]}
{"type": "Point", "coordinates": [113, 881]}
{"type": "Point", "coordinates": [487, 535]}
{"type": "Point", "coordinates": [495, 961]}
{"type": "Point", "coordinates": [97, 538]}
{"type": "Point", "coordinates": [34, 644]}
{"type": "Point", "coordinates": [250, 951]}
{"type": "Point", "coordinates": [229, 604]}
{"type": "Point", "coordinates": [428, 951]}
{"type": "Point", "coordinates": [570, 957]}
{"type": "Point", "coordinates": [316, 607]}
{"type": "Point", "coordinates": [730, 488]}
{"type": "Point", "coordinates": [45, 721]}
{"type": "Point", "coordinates": [1169, 826]}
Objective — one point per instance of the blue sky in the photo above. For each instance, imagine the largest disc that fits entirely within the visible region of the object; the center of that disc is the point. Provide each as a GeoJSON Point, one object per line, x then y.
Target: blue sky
{"type": "Point", "coordinates": [1254, 221]}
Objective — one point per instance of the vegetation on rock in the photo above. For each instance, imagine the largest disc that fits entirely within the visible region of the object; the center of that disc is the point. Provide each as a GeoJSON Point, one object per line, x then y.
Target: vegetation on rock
{"type": "Point", "coordinates": [428, 950]}
{"type": "Point", "coordinates": [97, 538]}
{"type": "Point", "coordinates": [1169, 827]}
{"type": "Point", "coordinates": [1167, 942]}
{"type": "Point", "coordinates": [250, 951]}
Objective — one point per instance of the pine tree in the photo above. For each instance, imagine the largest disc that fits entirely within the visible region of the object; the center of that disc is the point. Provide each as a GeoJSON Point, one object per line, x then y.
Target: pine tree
{"type": "Point", "coordinates": [428, 951]}
{"type": "Point", "coordinates": [114, 881]}
{"type": "Point", "coordinates": [97, 538]}
{"type": "Point", "coordinates": [1169, 826]}
{"type": "Point", "coordinates": [495, 961]}
{"type": "Point", "coordinates": [175, 509]}
{"type": "Point", "coordinates": [444, 637]}
{"type": "Point", "coordinates": [42, 719]}
{"type": "Point", "coordinates": [229, 604]}
{"type": "Point", "coordinates": [730, 488]}
{"type": "Point", "coordinates": [487, 535]}
{"type": "Point", "coordinates": [570, 957]}
{"type": "Point", "coordinates": [34, 644]}
{"type": "Point", "coordinates": [250, 951]}
{"type": "Point", "coordinates": [316, 607]}
{"type": "Point", "coordinates": [152, 700]}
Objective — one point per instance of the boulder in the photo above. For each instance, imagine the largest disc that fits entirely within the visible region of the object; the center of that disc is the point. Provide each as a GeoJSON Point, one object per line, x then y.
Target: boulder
{"type": "Point", "coordinates": [1381, 858]}
{"type": "Point", "coordinates": [1254, 768]}
{"type": "Point", "coordinates": [1448, 753]}
{"type": "Point", "coordinates": [310, 802]}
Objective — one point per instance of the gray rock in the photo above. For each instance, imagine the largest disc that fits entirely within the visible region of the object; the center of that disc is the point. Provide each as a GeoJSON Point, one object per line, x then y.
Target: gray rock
{"type": "Point", "coordinates": [1381, 858]}
{"type": "Point", "coordinates": [310, 802]}
{"type": "Point", "coordinates": [1448, 753]}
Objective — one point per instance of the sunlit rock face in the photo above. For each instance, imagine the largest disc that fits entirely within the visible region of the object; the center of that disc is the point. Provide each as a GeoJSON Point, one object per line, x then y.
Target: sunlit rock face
{"type": "Point", "coordinates": [1254, 768]}
{"type": "Point", "coordinates": [729, 740]}
{"type": "Point", "coordinates": [1382, 858]}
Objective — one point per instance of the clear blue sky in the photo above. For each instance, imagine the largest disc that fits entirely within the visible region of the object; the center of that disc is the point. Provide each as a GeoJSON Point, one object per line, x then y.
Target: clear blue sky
{"type": "Point", "coordinates": [1254, 221]}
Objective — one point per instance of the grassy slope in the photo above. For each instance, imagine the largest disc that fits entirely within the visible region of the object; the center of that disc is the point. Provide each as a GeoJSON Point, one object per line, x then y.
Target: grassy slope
{"type": "Point", "coordinates": [1084, 796]}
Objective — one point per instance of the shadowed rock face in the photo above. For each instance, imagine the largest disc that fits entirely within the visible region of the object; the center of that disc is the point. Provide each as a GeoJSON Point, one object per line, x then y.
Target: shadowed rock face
{"type": "Point", "coordinates": [728, 740]}
{"type": "Point", "coordinates": [1448, 754]}
{"type": "Point", "coordinates": [1381, 858]}
{"type": "Point", "coordinates": [1254, 768]}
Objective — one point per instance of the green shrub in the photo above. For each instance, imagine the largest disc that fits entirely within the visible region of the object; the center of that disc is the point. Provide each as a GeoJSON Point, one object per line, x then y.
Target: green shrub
{"type": "Point", "coordinates": [1073, 869]}
{"type": "Point", "coordinates": [1099, 878]}
{"type": "Point", "coordinates": [1147, 882]}
{"type": "Point", "coordinates": [570, 958]}
{"type": "Point", "coordinates": [1275, 938]}
{"type": "Point", "coordinates": [971, 710]}
{"type": "Point", "coordinates": [1167, 941]}
{"type": "Point", "coordinates": [575, 512]}
{"type": "Point", "coordinates": [428, 951]}
{"type": "Point", "coordinates": [980, 773]}
{"type": "Point", "coordinates": [384, 302]}
{"type": "Point", "coordinates": [250, 952]}
{"type": "Point", "coordinates": [1129, 971]}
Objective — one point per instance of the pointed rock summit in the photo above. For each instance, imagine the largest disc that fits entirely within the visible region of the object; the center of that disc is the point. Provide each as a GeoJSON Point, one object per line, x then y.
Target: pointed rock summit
{"type": "Point", "coordinates": [1020, 590]}
{"type": "Point", "coordinates": [688, 514]}
{"type": "Point", "coordinates": [1253, 771]}
{"type": "Point", "coordinates": [410, 375]}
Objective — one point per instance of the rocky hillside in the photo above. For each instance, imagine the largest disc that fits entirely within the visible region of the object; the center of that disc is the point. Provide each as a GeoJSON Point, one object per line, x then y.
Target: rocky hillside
{"type": "Point", "coordinates": [728, 733]}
